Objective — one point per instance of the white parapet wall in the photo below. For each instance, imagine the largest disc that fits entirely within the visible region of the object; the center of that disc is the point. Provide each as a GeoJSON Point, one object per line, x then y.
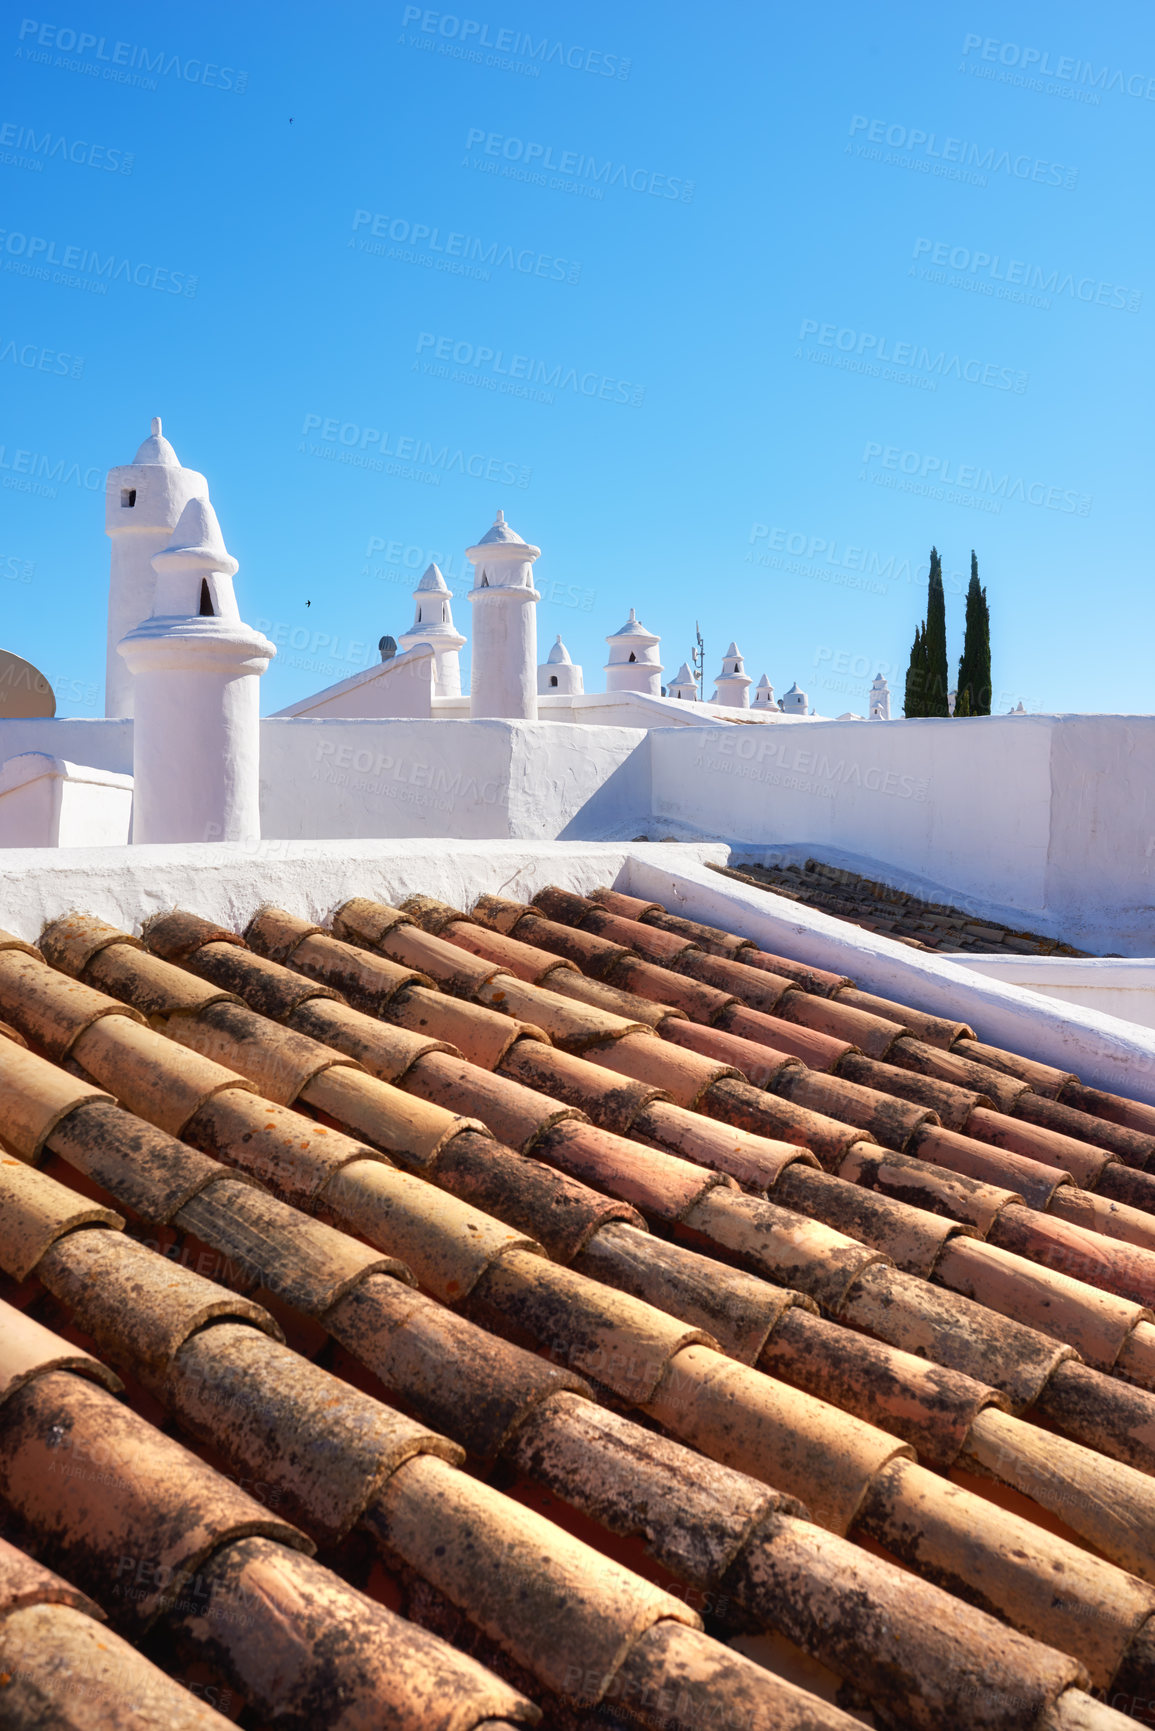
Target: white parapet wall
{"type": "Point", "coordinates": [1116, 986]}
{"type": "Point", "coordinates": [47, 802]}
{"type": "Point", "coordinates": [470, 780]}
{"type": "Point", "coordinates": [1051, 816]}
{"type": "Point", "coordinates": [228, 882]}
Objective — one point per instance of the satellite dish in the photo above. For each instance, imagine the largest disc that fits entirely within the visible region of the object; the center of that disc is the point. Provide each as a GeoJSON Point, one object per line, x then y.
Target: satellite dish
{"type": "Point", "coordinates": [24, 691]}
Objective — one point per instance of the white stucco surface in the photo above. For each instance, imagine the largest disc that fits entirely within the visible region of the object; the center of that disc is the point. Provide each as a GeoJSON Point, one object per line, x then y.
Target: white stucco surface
{"type": "Point", "coordinates": [228, 883]}
{"type": "Point", "coordinates": [1117, 986]}
{"type": "Point", "coordinates": [464, 779]}
{"type": "Point", "coordinates": [1050, 816]}
{"type": "Point", "coordinates": [401, 688]}
{"type": "Point", "coordinates": [46, 802]}
{"type": "Point", "coordinates": [1102, 1050]}
{"type": "Point", "coordinates": [94, 740]}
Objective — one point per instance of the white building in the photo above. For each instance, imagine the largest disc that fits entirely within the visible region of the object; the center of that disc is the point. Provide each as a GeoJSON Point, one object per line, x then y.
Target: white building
{"type": "Point", "coordinates": [633, 664]}
{"type": "Point", "coordinates": [558, 676]}
{"type": "Point", "coordinates": [764, 694]}
{"type": "Point", "coordinates": [196, 741]}
{"type": "Point", "coordinates": [503, 684]}
{"type": "Point", "coordinates": [143, 501]}
{"type": "Point", "coordinates": [433, 624]}
{"type": "Point", "coordinates": [879, 699]}
{"type": "Point", "coordinates": [733, 682]}
{"type": "Point", "coordinates": [684, 686]}
{"type": "Point", "coordinates": [795, 701]}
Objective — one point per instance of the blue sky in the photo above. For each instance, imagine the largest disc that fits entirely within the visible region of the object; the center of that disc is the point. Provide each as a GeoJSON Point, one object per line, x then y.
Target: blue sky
{"type": "Point", "coordinates": [734, 311]}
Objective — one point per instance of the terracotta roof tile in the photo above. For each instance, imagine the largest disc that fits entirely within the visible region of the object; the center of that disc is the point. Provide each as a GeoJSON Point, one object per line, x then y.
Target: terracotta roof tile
{"type": "Point", "coordinates": [755, 987]}
{"type": "Point", "coordinates": [158, 1503]}
{"type": "Point", "coordinates": [34, 1212]}
{"type": "Point", "coordinates": [952, 1105]}
{"type": "Point", "coordinates": [479, 1034]}
{"type": "Point", "coordinates": [758, 1063]}
{"type": "Point", "coordinates": [1134, 1147]}
{"type": "Point", "coordinates": [1095, 1323]}
{"type": "Point", "coordinates": [385, 1051]}
{"type": "Point", "coordinates": [1085, 1163]}
{"type": "Point", "coordinates": [756, 1424]}
{"type": "Point", "coordinates": [471, 1384]}
{"type": "Point", "coordinates": [50, 1011]}
{"type": "Point", "coordinates": [1094, 1611]}
{"type": "Point", "coordinates": [655, 1181]}
{"type": "Point", "coordinates": [25, 1582]}
{"type": "Point", "coordinates": [147, 1171]}
{"type": "Point", "coordinates": [735, 1309]}
{"type": "Point", "coordinates": [570, 1611]}
{"type": "Point", "coordinates": [1132, 1114]}
{"type": "Point", "coordinates": [321, 1653]}
{"type": "Point", "coordinates": [615, 999]}
{"type": "Point", "coordinates": [62, 1668]}
{"type": "Point", "coordinates": [1043, 1078]}
{"type": "Point", "coordinates": [912, 1238]}
{"type": "Point", "coordinates": [953, 1152]}
{"type": "Point", "coordinates": [156, 1078]}
{"type": "Point", "coordinates": [904, 1176]}
{"type": "Point", "coordinates": [302, 1261]}
{"type": "Point", "coordinates": [29, 1351]}
{"type": "Point", "coordinates": [934, 1030]}
{"type": "Point", "coordinates": [685, 1076]}
{"type": "Point", "coordinates": [931, 1408]}
{"type": "Point", "coordinates": [36, 1097]}
{"type": "Point", "coordinates": [609, 1326]}
{"type": "Point", "coordinates": [516, 1115]}
{"type": "Point", "coordinates": [612, 1100]}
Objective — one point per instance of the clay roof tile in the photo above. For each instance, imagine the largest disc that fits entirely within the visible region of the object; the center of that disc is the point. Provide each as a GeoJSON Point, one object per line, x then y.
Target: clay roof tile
{"type": "Point", "coordinates": [35, 1211]}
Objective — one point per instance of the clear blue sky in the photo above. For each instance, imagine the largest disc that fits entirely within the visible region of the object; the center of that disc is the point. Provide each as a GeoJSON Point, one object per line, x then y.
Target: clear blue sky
{"type": "Point", "coordinates": [790, 207]}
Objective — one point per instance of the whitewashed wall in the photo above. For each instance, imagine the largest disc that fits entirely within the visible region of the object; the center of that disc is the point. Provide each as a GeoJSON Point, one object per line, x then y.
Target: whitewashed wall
{"type": "Point", "coordinates": [1053, 816]}
{"type": "Point", "coordinates": [470, 779]}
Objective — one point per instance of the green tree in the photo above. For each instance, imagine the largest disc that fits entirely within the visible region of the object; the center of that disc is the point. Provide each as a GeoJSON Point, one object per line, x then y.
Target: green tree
{"type": "Point", "coordinates": [937, 677]}
{"type": "Point", "coordinates": [974, 668]}
{"type": "Point", "coordinates": [914, 701]}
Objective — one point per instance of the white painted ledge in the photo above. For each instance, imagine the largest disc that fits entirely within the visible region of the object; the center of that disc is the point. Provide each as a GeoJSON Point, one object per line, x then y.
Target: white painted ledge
{"type": "Point", "coordinates": [1121, 986]}
{"type": "Point", "coordinates": [228, 882]}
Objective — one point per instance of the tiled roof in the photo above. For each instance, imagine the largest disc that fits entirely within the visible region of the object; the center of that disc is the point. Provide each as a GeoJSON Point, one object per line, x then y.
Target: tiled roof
{"type": "Point", "coordinates": [878, 907]}
{"type": "Point", "coordinates": [557, 1269]}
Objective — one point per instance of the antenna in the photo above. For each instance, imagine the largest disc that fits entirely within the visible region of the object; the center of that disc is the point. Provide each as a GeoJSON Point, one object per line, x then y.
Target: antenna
{"type": "Point", "coordinates": [698, 662]}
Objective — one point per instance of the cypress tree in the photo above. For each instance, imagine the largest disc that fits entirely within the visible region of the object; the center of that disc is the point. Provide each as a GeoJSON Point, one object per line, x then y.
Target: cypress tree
{"type": "Point", "coordinates": [934, 642]}
{"type": "Point", "coordinates": [974, 668]}
{"type": "Point", "coordinates": [914, 701]}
